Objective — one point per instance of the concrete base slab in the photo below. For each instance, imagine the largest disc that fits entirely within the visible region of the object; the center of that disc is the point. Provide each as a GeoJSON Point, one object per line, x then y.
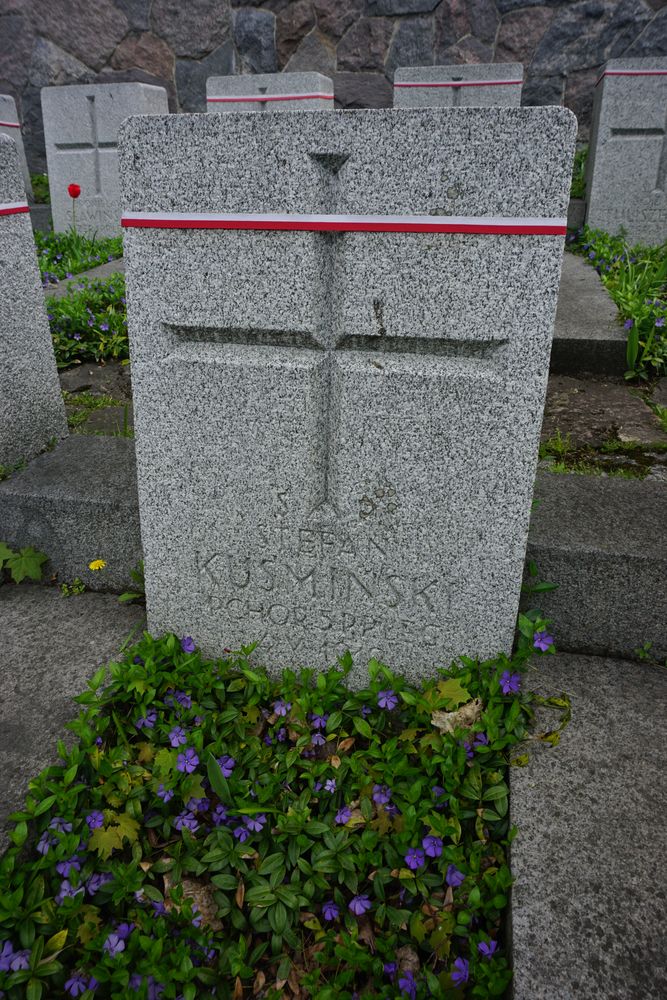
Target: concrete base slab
{"type": "Point", "coordinates": [110, 379]}
{"type": "Point", "coordinates": [589, 905]}
{"type": "Point", "coordinates": [40, 217]}
{"type": "Point", "coordinates": [51, 646]}
{"type": "Point", "coordinates": [587, 334]}
{"type": "Point", "coordinates": [78, 503]}
{"type": "Point", "coordinates": [593, 411]}
{"type": "Point", "coordinates": [602, 540]}
{"type": "Point", "coordinates": [101, 273]}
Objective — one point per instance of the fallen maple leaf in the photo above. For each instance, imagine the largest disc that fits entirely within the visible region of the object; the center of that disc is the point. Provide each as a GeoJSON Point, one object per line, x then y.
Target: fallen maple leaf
{"type": "Point", "coordinates": [462, 718]}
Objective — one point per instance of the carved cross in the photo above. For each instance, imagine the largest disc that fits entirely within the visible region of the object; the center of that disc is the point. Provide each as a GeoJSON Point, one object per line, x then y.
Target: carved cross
{"type": "Point", "coordinates": [95, 145]}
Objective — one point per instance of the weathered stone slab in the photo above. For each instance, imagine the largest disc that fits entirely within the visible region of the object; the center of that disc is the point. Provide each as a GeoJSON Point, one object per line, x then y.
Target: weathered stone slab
{"type": "Point", "coordinates": [474, 85]}
{"type": "Point", "coordinates": [11, 126]}
{"type": "Point", "coordinates": [31, 407]}
{"type": "Point", "coordinates": [627, 164]}
{"type": "Point", "coordinates": [81, 125]}
{"type": "Point", "coordinates": [270, 92]}
{"type": "Point", "coordinates": [337, 431]}
{"type": "Point", "coordinates": [588, 913]}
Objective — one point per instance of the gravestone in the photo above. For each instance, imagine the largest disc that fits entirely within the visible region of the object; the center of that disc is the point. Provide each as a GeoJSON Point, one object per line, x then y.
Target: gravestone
{"type": "Point", "coordinates": [11, 126]}
{"type": "Point", "coordinates": [626, 173]}
{"type": "Point", "coordinates": [340, 329]}
{"type": "Point", "coordinates": [81, 125]}
{"type": "Point", "coordinates": [270, 92]}
{"type": "Point", "coordinates": [31, 406]}
{"type": "Point", "coordinates": [476, 85]}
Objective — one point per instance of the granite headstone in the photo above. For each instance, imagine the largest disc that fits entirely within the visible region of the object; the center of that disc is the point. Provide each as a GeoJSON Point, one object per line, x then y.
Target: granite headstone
{"type": "Point", "coordinates": [11, 126]}
{"type": "Point", "coordinates": [81, 125]}
{"type": "Point", "coordinates": [476, 85]}
{"type": "Point", "coordinates": [270, 92]}
{"type": "Point", "coordinates": [626, 172]}
{"type": "Point", "coordinates": [337, 417]}
{"type": "Point", "coordinates": [31, 406]}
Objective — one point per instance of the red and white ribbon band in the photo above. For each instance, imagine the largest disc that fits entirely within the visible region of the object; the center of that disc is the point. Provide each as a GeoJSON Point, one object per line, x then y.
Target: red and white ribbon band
{"type": "Point", "coordinates": [464, 83]}
{"type": "Point", "coordinates": [520, 226]}
{"type": "Point", "coordinates": [631, 72]}
{"type": "Point", "coordinates": [10, 125]}
{"type": "Point", "coordinates": [262, 98]}
{"type": "Point", "coordinates": [13, 207]}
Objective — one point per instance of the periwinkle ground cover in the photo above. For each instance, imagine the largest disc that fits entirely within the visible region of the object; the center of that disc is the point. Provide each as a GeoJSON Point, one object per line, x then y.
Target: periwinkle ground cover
{"type": "Point", "coordinates": [90, 323]}
{"type": "Point", "coordinates": [218, 833]}
{"type": "Point", "coordinates": [636, 279]}
{"type": "Point", "coordinates": [62, 255]}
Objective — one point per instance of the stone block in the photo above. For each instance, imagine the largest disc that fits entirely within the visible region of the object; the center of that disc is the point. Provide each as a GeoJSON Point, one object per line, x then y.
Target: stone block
{"type": "Point", "coordinates": [11, 127]}
{"type": "Point", "coordinates": [31, 407]}
{"type": "Point", "coordinates": [81, 125]}
{"type": "Point", "coordinates": [476, 85]}
{"type": "Point", "coordinates": [627, 162]}
{"type": "Point", "coordinates": [270, 92]}
{"type": "Point", "coordinates": [337, 430]}
{"type": "Point", "coordinates": [78, 503]}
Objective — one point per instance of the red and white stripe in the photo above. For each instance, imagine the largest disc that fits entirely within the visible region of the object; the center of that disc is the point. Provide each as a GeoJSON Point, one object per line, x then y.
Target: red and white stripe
{"type": "Point", "coordinates": [631, 72]}
{"type": "Point", "coordinates": [263, 98]}
{"type": "Point", "coordinates": [490, 225]}
{"type": "Point", "coordinates": [463, 83]}
{"type": "Point", "coordinates": [13, 207]}
{"type": "Point", "coordinates": [10, 125]}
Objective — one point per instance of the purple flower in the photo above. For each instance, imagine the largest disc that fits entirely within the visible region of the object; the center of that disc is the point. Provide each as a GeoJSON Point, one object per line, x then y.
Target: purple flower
{"type": "Point", "coordinates": [366, 711]}
{"type": "Point", "coordinates": [71, 865]}
{"type": "Point", "coordinates": [281, 707]}
{"type": "Point", "coordinates": [114, 945]}
{"type": "Point", "coordinates": [241, 834]}
{"type": "Point", "coordinates": [198, 805]}
{"type": "Point", "coordinates": [68, 891]}
{"type": "Point", "coordinates": [454, 877]}
{"type": "Point", "coordinates": [344, 815]}
{"type": "Point", "coordinates": [628, 325]}
{"type": "Point", "coordinates": [317, 740]}
{"type": "Point", "coordinates": [438, 791]}
{"type": "Point", "coordinates": [414, 858]}
{"type": "Point", "coordinates": [542, 640]}
{"type": "Point", "coordinates": [226, 765]}
{"type": "Point", "coordinates": [159, 907]}
{"type": "Point", "coordinates": [6, 956]}
{"type": "Point", "coordinates": [76, 985]}
{"type": "Point", "coordinates": [330, 911]}
{"type": "Point", "coordinates": [487, 948]}
{"type": "Point", "coordinates": [95, 819]}
{"type": "Point", "coordinates": [255, 823]}
{"type": "Point", "coordinates": [165, 793]}
{"type": "Point", "coordinates": [510, 683]}
{"type": "Point", "coordinates": [281, 735]}
{"type": "Point", "coordinates": [186, 821]}
{"type": "Point", "coordinates": [188, 644]}
{"type": "Point", "coordinates": [148, 720]}
{"type": "Point", "coordinates": [387, 699]}
{"type": "Point", "coordinates": [460, 973]}
{"type": "Point", "coordinates": [660, 322]}
{"type": "Point", "coordinates": [268, 741]}
{"type": "Point", "coordinates": [124, 930]}
{"type": "Point", "coordinates": [319, 721]}
{"type": "Point", "coordinates": [468, 749]}
{"type": "Point", "coordinates": [99, 741]}
{"type": "Point", "coordinates": [219, 815]}
{"type": "Point", "coordinates": [77, 336]}
{"type": "Point", "coordinates": [432, 846]}
{"type": "Point", "coordinates": [381, 794]}
{"type": "Point", "coordinates": [183, 699]}
{"type": "Point", "coordinates": [187, 762]}
{"type": "Point", "coordinates": [481, 740]}
{"type": "Point", "coordinates": [389, 969]}
{"type": "Point", "coordinates": [20, 960]}
{"type": "Point", "coordinates": [104, 326]}
{"type": "Point", "coordinates": [95, 882]}
{"type": "Point", "coordinates": [178, 737]}
{"type": "Point", "coordinates": [359, 905]}
{"type": "Point", "coordinates": [61, 825]}
{"type": "Point", "coordinates": [407, 984]}
{"type": "Point", "coordinates": [391, 809]}
{"type": "Point", "coordinates": [330, 785]}
{"type": "Point", "coordinates": [46, 841]}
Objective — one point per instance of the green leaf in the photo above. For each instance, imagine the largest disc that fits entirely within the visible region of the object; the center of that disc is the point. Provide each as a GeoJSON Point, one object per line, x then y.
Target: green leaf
{"type": "Point", "coordinates": [363, 728]}
{"type": "Point", "coordinates": [34, 990]}
{"type": "Point", "coordinates": [56, 941]}
{"type": "Point", "coordinates": [453, 692]}
{"type": "Point", "coordinates": [5, 553]}
{"type": "Point", "coordinates": [128, 827]}
{"type": "Point", "coordinates": [164, 763]}
{"type": "Point", "coordinates": [219, 784]}
{"type": "Point", "coordinates": [334, 722]}
{"type": "Point", "coordinates": [19, 834]}
{"type": "Point", "coordinates": [26, 563]}
{"type": "Point", "coordinates": [105, 841]}
{"type": "Point", "coordinates": [499, 791]}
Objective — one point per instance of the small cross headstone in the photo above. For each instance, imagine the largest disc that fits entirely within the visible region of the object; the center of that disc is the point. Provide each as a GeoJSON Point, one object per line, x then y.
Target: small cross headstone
{"type": "Point", "coordinates": [11, 126]}
{"type": "Point", "coordinates": [627, 163]}
{"type": "Point", "coordinates": [270, 92]}
{"type": "Point", "coordinates": [340, 330]}
{"type": "Point", "coordinates": [475, 85]}
{"type": "Point", "coordinates": [31, 405]}
{"type": "Point", "coordinates": [81, 133]}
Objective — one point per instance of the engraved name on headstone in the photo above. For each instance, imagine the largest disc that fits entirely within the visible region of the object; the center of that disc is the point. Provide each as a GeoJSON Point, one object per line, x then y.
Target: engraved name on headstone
{"type": "Point", "coordinates": [81, 125]}
{"type": "Point", "coordinates": [339, 381]}
{"type": "Point", "coordinates": [476, 85]}
{"type": "Point", "coordinates": [11, 127]}
{"type": "Point", "coordinates": [626, 172]}
{"type": "Point", "coordinates": [31, 405]}
{"type": "Point", "coordinates": [270, 92]}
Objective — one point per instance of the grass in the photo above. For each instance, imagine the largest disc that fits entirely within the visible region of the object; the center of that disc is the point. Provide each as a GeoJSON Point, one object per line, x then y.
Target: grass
{"type": "Point", "coordinates": [636, 279]}
{"type": "Point", "coordinates": [62, 255]}
{"type": "Point", "coordinates": [212, 827]}
{"type": "Point", "coordinates": [89, 322]}
{"type": "Point", "coordinates": [40, 189]}
{"type": "Point", "coordinates": [83, 404]}
{"type": "Point", "coordinates": [578, 188]}
{"type": "Point", "coordinates": [566, 457]}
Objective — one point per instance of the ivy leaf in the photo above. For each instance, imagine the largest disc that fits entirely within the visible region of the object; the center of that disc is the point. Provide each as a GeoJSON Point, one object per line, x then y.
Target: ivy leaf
{"type": "Point", "coordinates": [105, 841]}
{"type": "Point", "coordinates": [26, 563]}
{"type": "Point", "coordinates": [453, 691]}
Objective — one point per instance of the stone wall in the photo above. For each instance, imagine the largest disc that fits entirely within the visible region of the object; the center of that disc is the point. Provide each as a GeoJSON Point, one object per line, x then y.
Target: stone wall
{"type": "Point", "coordinates": [178, 43]}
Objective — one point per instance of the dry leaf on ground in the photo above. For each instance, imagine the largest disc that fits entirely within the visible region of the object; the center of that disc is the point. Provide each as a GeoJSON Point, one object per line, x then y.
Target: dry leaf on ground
{"type": "Point", "coordinates": [463, 718]}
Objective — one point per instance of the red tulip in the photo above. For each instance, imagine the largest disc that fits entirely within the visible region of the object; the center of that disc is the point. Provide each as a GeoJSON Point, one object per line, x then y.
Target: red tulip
{"type": "Point", "coordinates": [74, 190]}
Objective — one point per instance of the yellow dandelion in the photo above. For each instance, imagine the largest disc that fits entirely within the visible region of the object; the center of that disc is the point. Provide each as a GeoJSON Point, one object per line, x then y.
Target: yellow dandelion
{"type": "Point", "coordinates": [97, 564]}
